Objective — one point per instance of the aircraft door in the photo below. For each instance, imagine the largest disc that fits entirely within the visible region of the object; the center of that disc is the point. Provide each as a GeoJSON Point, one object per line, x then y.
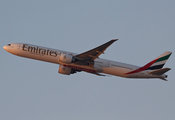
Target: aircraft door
{"type": "Point", "coordinates": [107, 63]}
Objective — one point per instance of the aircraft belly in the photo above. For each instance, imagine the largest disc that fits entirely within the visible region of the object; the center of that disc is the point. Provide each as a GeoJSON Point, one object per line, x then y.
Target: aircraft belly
{"type": "Point", "coordinates": [142, 75]}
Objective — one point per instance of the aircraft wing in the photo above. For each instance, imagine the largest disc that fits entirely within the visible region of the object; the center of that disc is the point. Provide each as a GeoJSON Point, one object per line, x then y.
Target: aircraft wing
{"type": "Point", "coordinates": [92, 54]}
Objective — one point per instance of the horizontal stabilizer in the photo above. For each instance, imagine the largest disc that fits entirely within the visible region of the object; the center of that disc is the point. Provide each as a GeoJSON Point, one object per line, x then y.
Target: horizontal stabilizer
{"type": "Point", "coordinates": [160, 71]}
{"type": "Point", "coordinates": [164, 79]}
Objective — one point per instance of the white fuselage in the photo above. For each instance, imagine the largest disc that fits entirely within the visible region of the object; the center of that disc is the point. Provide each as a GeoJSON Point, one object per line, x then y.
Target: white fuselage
{"type": "Point", "coordinates": [100, 65]}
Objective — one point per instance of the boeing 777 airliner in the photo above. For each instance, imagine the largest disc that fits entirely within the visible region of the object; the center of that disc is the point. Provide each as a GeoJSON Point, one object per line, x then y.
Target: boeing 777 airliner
{"type": "Point", "coordinates": [70, 63]}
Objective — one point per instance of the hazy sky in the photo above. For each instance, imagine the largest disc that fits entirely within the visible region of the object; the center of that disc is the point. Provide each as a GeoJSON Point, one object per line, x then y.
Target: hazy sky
{"type": "Point", "coordinates": [33, 90]}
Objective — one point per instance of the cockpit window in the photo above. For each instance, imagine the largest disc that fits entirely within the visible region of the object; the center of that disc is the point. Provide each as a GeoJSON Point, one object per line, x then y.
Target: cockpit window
{"type": "Point", "coordinates": [9, 44]}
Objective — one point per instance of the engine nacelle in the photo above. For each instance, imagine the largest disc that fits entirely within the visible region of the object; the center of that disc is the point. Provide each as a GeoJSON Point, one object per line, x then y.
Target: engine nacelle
{"type": "Point", "coordinates": [65, 58]}
{"type": "Point", "coordinates": [64, 70]}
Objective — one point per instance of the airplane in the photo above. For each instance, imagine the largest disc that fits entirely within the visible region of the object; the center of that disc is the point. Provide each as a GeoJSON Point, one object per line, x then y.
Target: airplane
{"type": "Point", "coordinates": [89, 61]}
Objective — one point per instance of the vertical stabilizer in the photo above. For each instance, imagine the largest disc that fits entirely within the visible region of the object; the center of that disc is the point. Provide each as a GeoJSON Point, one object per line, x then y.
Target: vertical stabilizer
{"type": "Point", "coordinates": [160, 61]}
{"type": "Point", "coordinates": [157, 63]}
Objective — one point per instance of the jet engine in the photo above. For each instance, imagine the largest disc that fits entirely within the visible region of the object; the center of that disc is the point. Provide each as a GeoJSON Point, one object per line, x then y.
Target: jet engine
{"type": "Point", "coordinates": [64, 70]}
{"type": "Point", "coordinates": [65, 58]}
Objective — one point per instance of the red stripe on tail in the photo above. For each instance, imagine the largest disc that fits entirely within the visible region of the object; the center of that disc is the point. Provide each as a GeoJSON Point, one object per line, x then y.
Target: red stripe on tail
{"type": "Point", "coordinates": [143, 68]}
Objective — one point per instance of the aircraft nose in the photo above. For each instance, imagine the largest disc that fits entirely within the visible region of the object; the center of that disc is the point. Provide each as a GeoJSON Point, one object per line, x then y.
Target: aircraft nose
{"type": "Point", "coordinates": [5, 48]}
